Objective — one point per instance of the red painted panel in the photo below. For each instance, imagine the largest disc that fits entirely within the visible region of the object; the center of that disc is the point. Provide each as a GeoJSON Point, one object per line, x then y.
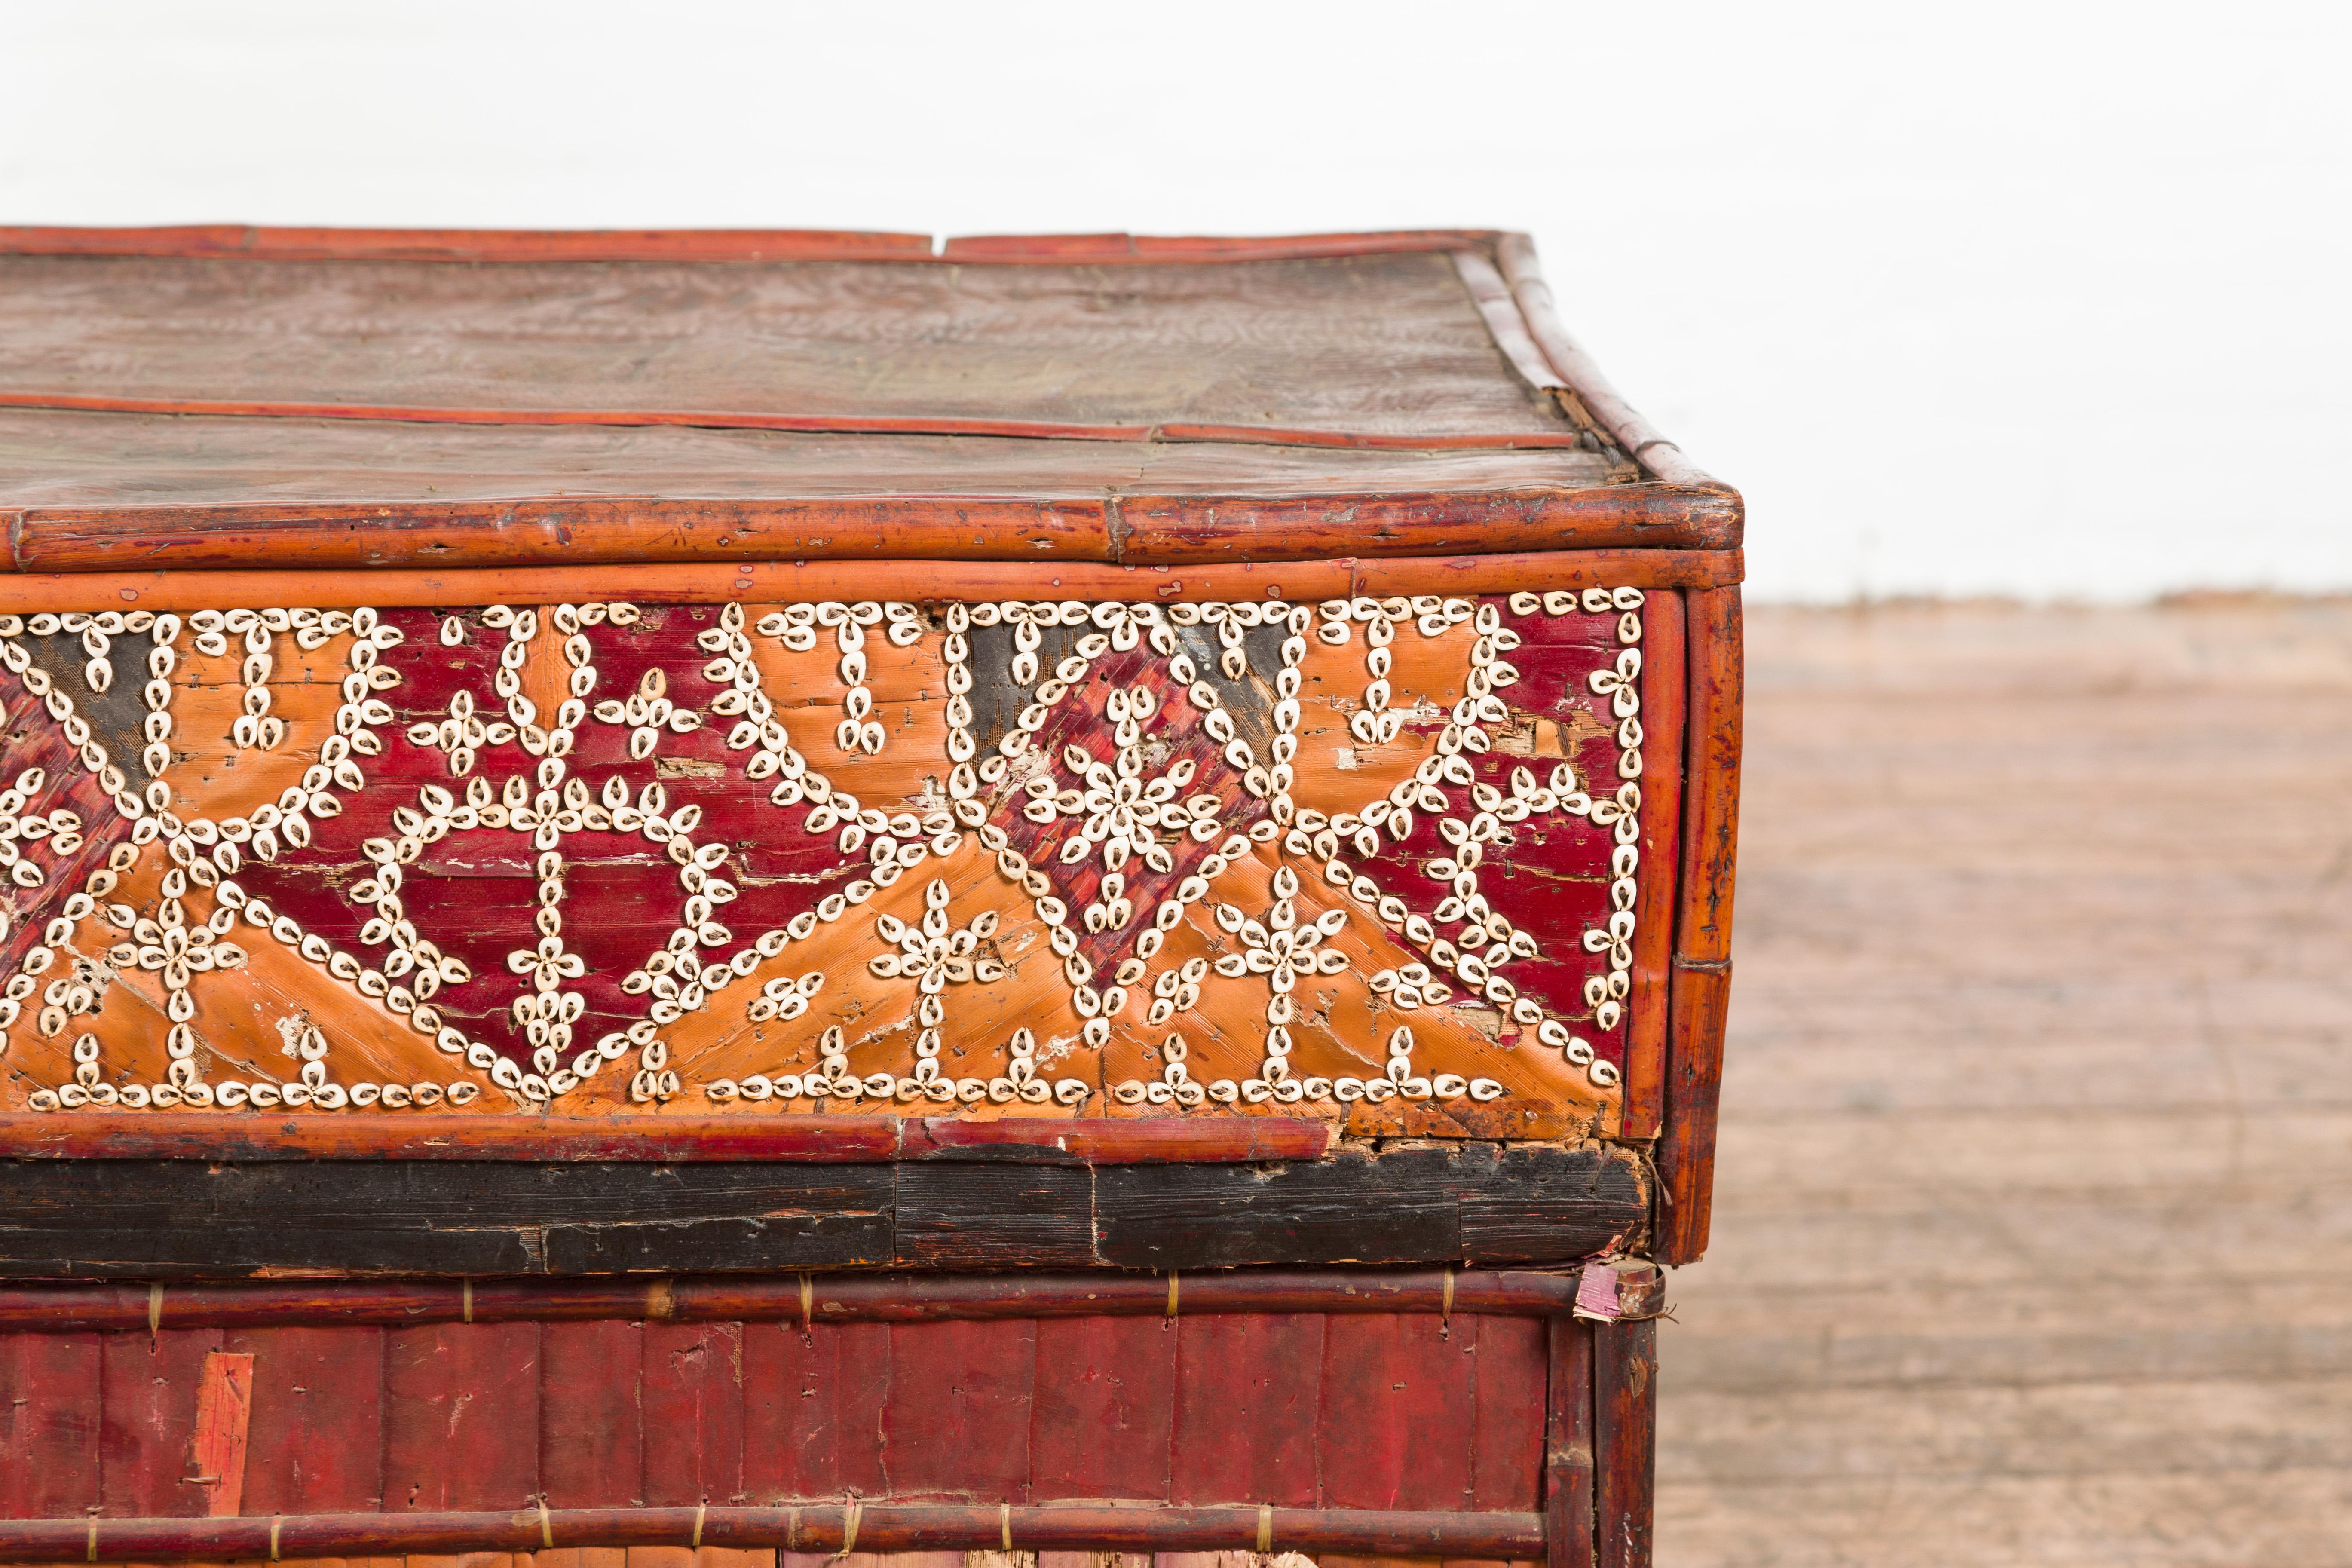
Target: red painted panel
{"type": "Point", "coordinates": [148, 1418]}
{"type": "Point", "coordinates": [1507, 1441]}
{"type": "Point", "coordinates": [461, 1416]}
{"type": "Point", "coordinates": [1397, 1407]}
{"type": "Point", "coordinates": [1551, 875]}
{"type": "Point", "coordinates": [813, 1410]}
{"type": "Point", "coordinates": [1078, 723]}
{"type": "Point", "coordinates": [1248, 1398]}
{"type": "Point", "coordinates": [1105, 1408]}
{"type": "Point", "coordinates": [315, 1444]}
{"type": "Point", "coordinates": [1346, 1411]}
{"type": "Point", "coordinates": [489, 874]}
{"type": "Point", "coordinates": [48, 1425]}
{"type": "Point", "coordinates": [956, 1425]}
{"type": "Point", "coordinates": [591, 1426]}
{"type": "Point", "coordinates": [693, 1394]}
{"type": "Point", "coordinates": [31, 741]}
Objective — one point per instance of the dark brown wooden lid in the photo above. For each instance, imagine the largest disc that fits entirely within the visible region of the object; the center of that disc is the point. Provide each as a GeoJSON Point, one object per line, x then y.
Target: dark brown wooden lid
{"type": "Point", "coordinates": [213, 397]}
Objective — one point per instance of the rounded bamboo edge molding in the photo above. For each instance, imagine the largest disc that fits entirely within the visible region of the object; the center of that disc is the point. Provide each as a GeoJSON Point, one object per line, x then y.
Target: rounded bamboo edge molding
{"type": "Point", "coordinates": [833, 1528]}
{"type": "Point", "coordinates": [183, 591]}
{"type": "Point", "coordinates": [1608, 1289]}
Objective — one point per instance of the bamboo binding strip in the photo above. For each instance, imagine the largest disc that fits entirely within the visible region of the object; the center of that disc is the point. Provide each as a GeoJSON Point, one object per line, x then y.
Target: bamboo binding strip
{"type": "Point", "coordinates": [805, 1299]}
{"type": "Point", "coordinates": [807, 1528]}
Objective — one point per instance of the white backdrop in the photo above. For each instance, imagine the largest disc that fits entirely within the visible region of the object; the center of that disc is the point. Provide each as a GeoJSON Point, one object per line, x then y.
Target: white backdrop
{"type": "Point", "coordinates": [2043, 299]}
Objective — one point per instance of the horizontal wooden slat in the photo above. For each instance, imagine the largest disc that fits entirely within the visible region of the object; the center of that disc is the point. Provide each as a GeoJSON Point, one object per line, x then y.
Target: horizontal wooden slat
{"type": "Point", "coordinates": [189, 1219]}
{"type": "Point", "coordinates": [1409, 1204]}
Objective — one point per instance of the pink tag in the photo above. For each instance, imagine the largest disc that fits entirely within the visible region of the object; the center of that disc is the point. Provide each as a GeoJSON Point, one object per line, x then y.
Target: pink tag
{"type": "Point", "coordinates": [1596, 1293]}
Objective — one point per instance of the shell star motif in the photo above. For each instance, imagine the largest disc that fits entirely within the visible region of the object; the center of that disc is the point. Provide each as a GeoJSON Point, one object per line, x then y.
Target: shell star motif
{"type": "Point", "coordinates": [1285, 953]}
{"type": "Point", "coordinates": [1281, 949]}
{"type": "Point", "coordinates": [1121, 808]}
{"type": "Point", "coordinates": [931, 953]}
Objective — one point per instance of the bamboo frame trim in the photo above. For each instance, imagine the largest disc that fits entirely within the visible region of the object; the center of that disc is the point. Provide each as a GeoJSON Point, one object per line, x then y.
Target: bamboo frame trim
{"type": "Point", "coordinates": [1601, 402]}
{"type": "Point", "coordinates": [790, 423]}
{"type": "Point", "coordinates": [1569, 1516]}
{"type": "Point", "coordinates": [1174, 528]}
{"type": "Point", "coordinates": [766, 582]}
{"type": "Point", "coordinates": [1699, 989]}
{"type": "Point", "coordinates": [1506, 320]}
{"type": "Point", "coordinates": [257, 243]}
{"type": "Point", "coordinates": [792, 1299]}
{"type": "Point", "coordinates": [660, 1140]}
{"type": "Point", "coordinates": [816, 1527]}
{"type": "Point", "coordinates": [249, 242]}
{"type": "Point", "coordinates": [711, 419]}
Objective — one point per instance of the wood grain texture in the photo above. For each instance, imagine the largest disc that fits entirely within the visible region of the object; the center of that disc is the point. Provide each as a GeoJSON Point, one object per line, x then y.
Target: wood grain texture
{"type": "Point", "coordinates": [1374, 345]}
{"type": "Point", "coordinates": [1711, 830]}
{"type": "Point", "coordinates": [95, 1218]}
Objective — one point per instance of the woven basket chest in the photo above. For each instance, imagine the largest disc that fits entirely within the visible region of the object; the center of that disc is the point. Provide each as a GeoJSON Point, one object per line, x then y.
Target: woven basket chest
{"type": "Point", "coordinates": [782, 896]}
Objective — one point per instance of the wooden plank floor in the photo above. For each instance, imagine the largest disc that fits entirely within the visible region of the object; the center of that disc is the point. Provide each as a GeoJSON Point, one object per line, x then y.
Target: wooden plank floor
{"type": "Point", "coordinates": [2033, 1236]}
